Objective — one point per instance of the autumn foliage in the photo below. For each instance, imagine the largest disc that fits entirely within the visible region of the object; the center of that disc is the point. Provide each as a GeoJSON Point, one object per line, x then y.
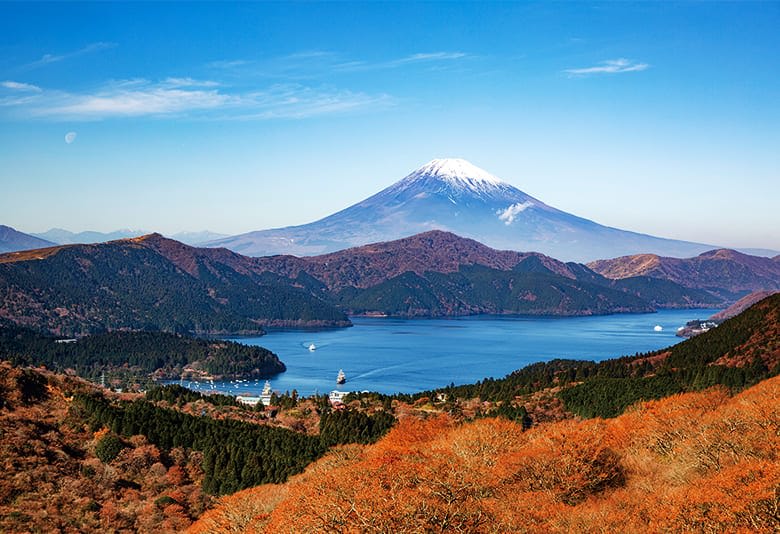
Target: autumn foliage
{"type": "Point", "coordinates": [700, 462]}
{"type": "Point", "coordinates": [58, 475]}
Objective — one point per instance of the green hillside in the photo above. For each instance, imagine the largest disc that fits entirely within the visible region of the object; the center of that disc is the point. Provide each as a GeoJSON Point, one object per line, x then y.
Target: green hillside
{"type": "Point", "coordinates": [137, 354]}
{"type": "Point", "coordinates": [739, 353]}
{"type": "Point", "coordinates": [82, 289]}
{"type": "Point", "coordinates": [479, 289]}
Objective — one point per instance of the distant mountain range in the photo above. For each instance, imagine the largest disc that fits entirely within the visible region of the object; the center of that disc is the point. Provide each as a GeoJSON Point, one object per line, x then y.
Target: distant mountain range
{"type": "Point", "coordinates": [440, 273]}
{"type": "Point", "coordinates": [12, 240]}
{"type": "Point", "coordinates": [724, 272]}
{"type": "Point", "coordinates": [60, 236]}
{"type": "Point", "coordinates": [454, 195]}
{"type": "Point", "coordinates": [196, 238]}
{"type": "Point", "coordinates": [155, 283]}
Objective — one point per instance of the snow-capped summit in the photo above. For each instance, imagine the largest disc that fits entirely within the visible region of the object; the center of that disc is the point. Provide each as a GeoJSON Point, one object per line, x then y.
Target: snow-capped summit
{"type": "Point", "coordinates": [457, 196]}
{"type": "Point", "coordinates": [457, 171]}
{"type": "Point", "coordinates": [454, 176]}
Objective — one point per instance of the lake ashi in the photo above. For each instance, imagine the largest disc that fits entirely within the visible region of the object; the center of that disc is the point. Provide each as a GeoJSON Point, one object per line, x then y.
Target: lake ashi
{"type": "Point", "coordinates": [392, 355]}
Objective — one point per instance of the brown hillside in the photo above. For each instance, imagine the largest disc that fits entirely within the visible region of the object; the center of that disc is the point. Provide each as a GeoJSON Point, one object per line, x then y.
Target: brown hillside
{"type": "Point", "coordinates": [52, 481]}
{"type": "Point", "coordinates": [436, 251]}
{"type": "Point", "coordinates": [764, 341]}
{"type": "Point", "coordinates": [627, 266]}
{"type": "Point", "coordinates": [722, 268]}
{"type": "Point", "coordinates": [36, 254]}
{"type": "Point", "coordinates": [188, 258]}
{"type": "Point", "coordinates": [362, 267]}
{"type": "Point", "coordinates": [700, 462]}
{"type": "Point", "coordinates": [741, 305]}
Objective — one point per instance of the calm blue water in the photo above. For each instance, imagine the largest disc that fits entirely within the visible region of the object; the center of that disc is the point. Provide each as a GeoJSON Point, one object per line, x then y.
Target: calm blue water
{"type": "Point", "coordinates": [411, 355]}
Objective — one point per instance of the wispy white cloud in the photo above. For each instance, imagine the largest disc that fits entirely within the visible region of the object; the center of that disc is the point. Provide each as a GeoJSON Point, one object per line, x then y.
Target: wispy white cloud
{"type": "Point", "coordinates": [190, 82]}
{"type": "Point", "coordinates": [412, 59]}
{"type": "Point", "coordinates": [187, 97]}
{"type": "Point", "coordinates": [315, 63]}
{"type": "Point", "coordinates": [611, 66]}
{"type": "Point", "coordinates": [509, 214]}
{"type": "Point", "coordinates": [228, 64]}
{"type": "Point", "coordinates": [293, 101]}
{"type": "Point", "coordinates": [429, 56]}
{"type": "Point", "coordinates": [19, 86]}
{"type": "Point", "coordinates": [234, 90]}
{"type": "Point", "coordinates": [48, 59]}
{"type": "Point", "coordinates": [147, 100]}
{"type": "Point", "coordinates": [290, 67]}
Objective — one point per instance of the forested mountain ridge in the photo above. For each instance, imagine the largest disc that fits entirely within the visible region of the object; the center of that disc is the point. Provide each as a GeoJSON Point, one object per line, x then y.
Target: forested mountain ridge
{"type": "Point", "coordinates": [739, 353]}
{"type": "Point", "coordinates": [440, 273]}
{"type": "Point", "coordinates": [155, 283]}
{"type": "Point", "coordinates": [722, 271]}
{"type": "Point", "coordinates": [128, 356]}
{"type": "Point", "coordinates": [132, 284]}
{"type": "Point", "coordinates": [476, 289]}
{"type": "Point", "coordinates": [742, 304]}
{"type": "Point", "coordinates": [433, 251]}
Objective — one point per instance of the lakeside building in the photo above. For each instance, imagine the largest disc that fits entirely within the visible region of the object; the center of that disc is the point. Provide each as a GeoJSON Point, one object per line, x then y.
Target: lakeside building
{"type": "Point", "coordinates": [264, 397]}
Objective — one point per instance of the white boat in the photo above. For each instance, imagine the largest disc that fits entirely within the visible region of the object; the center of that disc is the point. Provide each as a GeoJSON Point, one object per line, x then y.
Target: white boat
{"type": "Point", "coordinates": [312, 347]}
{"type": "Point", "coordinates": [658, 328]}
{"type": "Point", "coordinates": [341, 378]}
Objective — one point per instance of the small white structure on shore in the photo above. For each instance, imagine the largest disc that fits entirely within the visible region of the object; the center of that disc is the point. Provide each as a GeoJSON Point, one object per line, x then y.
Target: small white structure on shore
{"type": "Point", "coordinates": [247, 400]}
{"type": "Point", "coordinates": [265, 397]}
{"type": "Point", "coordinates": [337, 397]}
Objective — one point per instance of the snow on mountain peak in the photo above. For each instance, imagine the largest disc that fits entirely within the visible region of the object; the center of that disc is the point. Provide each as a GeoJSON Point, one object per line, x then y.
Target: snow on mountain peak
{"type": "Point", "coordinates": [458, 170]}
{"type": "Point", "coordinates": [458, 174]}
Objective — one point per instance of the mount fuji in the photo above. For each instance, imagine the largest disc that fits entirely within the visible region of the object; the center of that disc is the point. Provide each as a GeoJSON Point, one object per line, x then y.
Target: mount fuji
{"type": "Point", "coordinates": [456, 196]}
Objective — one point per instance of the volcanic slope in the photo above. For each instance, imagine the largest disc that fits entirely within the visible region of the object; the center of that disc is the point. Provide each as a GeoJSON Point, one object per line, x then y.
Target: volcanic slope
{"type": "Point", "coordinates": [456, 196]}
{"type": "Point", "coordinates": [12, 240]}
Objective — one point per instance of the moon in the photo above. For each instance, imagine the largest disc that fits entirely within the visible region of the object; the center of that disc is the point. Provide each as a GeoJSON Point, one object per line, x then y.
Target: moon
{"type": "Point", "coordinates": [70, 137]}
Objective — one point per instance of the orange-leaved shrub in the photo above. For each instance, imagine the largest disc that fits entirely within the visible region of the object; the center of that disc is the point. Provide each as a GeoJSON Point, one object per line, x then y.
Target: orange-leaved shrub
{"type": "Point", "coordinates": [701, 462]}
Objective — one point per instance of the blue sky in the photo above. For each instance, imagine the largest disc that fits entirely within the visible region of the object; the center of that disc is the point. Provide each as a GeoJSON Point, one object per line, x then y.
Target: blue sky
{"type": "Point", "coordinates": [662, 118]}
